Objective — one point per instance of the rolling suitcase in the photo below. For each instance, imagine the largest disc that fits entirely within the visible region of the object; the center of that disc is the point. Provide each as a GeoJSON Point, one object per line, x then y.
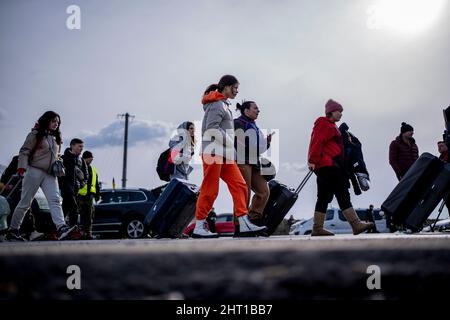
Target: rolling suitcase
{"type": "Point", "coordinates": [173, 211]}
{"type": "Point", "coordinates": [411, 188]}
{"type": "Point", "coordinates": [280, 201]}
{"type": "Point", "coordinates": [430, 200]}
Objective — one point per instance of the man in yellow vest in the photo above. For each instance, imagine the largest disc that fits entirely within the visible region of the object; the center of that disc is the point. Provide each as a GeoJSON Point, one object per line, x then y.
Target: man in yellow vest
{"type": "Point", "coordinates": [86, 195]}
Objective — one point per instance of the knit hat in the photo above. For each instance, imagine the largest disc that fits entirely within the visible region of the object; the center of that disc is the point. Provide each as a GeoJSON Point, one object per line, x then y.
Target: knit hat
{"type": "Point", "coordinates": [405, 128]}
{"type": "Point", "coordinates": [332, 106]}
{"type": "Point", "coordinates": [87, 155]}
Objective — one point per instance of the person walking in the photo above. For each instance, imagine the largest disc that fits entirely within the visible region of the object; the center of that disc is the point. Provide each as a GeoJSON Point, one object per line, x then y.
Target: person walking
{"type": "Point", "coordinates": [250, 143]}
{"type": "Point", "coordinates": [370, 218]}
{"type": "Point", "coordinates": [182, 147]}
{"type": "Point", "coordinates": [76, 177]}
{"type": "Point", "coordinates": [36, 158]}
{"type": "Point", "coordinates": [326, 158]}
{"type": "Point", "coordinates": [86, 196]}
{"type": "Point", "coordinates": [443, 156]}
{"type": "Point", "coordinates": [403, 151]}
{"type": "Point", "coordinates": [218, 156]}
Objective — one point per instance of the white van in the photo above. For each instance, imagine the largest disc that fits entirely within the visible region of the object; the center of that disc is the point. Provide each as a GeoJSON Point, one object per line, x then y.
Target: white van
{"type": "Point", "coordinates": [336, 222]}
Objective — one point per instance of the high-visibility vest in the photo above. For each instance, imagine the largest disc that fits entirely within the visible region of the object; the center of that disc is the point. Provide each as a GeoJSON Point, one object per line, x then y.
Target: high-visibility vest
{"type": "Point", "coordinates": [83, 191]}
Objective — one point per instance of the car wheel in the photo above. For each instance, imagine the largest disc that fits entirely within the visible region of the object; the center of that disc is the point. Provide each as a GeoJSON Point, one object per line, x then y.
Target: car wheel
{"type": "Point", "coordinates": [308, 232]}
{"type": "Point", "coordinates": [134, 228]}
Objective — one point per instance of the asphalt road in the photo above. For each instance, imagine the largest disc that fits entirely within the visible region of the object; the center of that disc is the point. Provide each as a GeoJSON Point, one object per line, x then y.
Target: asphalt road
{"type": "Point", "coordinates": [285, 267]}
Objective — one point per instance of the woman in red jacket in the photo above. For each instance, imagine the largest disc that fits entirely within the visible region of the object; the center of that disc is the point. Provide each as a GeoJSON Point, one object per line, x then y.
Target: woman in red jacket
{"type": "Point", "coordinates": [326, 159]}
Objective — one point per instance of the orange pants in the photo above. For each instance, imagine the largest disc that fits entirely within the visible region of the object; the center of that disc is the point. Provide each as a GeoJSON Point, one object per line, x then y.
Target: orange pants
{"type": "Point", "coordinates": [215, 168]}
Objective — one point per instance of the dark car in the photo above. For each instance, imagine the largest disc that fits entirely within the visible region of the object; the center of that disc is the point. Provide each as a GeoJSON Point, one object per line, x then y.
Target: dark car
{"type": "Point", "coordinates": [121, 212]}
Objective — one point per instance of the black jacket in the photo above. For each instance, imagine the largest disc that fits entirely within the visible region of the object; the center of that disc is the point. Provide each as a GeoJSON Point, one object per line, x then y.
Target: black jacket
{"type": "Point", "coordinates": [10, 170]}
{"type": "Point", "coordinates": [354, 159]}
{"type": "Point", "coordinates": [77, 174]}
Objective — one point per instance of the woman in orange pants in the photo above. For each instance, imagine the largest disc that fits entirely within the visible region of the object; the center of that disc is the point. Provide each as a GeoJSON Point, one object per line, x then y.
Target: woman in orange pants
{"type": "Point", "coordinates": [218, 155]}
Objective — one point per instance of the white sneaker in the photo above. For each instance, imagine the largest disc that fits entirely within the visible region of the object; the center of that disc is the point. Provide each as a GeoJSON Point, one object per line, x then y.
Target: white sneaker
{"type": "Point", "coordinates": [201, 230]}
{"type": "Point", "coordinates": [36, 236]}
{"type": "Point", "coordinates": [248, 228]}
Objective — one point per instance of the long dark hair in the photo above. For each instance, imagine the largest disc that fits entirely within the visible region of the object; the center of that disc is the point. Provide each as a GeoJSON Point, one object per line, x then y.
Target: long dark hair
{"type": "Point", "coordinates": [226, 80]}
{"type": "Point", "coordinates": [193, 142]}
{"type": "Point", "coordinates": [42, 126]}
{"type": "Point", "coordinates": [244, 106]}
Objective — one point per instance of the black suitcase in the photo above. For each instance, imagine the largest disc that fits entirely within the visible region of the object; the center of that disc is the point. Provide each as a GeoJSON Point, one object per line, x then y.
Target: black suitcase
{"type": "Point", "coordinates": [280, 201]}
{"type": "Point", "coordinates": [430, 200]}
{"type": "Point", "coordinates": [173, 211]}
{"type": "Point", "coordinates": [411, 188]}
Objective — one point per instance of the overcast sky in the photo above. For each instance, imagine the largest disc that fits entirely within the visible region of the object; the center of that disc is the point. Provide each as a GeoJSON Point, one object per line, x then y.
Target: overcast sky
{"type": "Point", "coordinates": [154, 59]}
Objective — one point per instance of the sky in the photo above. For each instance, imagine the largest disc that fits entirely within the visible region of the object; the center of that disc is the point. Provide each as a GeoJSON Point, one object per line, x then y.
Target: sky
{"type": "Point", "coordinates": [386, 62]}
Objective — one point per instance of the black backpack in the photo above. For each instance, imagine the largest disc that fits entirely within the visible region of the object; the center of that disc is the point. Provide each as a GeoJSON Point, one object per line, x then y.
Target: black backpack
{"type": "Point", "coordinates": [165, 168]}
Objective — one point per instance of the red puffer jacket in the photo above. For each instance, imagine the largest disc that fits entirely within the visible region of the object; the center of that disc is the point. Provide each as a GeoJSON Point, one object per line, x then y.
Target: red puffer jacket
{"type": "Point", "coordinates": [326, 143]}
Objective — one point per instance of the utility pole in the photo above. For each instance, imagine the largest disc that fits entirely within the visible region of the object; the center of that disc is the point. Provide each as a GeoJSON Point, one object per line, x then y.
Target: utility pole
{"type": "Point", "coordinates": [127, 116]}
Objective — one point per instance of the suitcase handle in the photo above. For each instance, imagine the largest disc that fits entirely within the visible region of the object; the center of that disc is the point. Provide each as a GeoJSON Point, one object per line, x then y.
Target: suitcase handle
{"type": "Point", "coordinates": [14, 187]}
{"type": "Point", "coordinates": [304, 181]}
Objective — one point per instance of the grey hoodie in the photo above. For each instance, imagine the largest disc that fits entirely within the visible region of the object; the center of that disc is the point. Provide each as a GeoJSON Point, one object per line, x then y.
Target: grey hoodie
{"type": "Point", "coordinates": [218, 130]}
{"type": "Point", "coordinates": [44, 156]}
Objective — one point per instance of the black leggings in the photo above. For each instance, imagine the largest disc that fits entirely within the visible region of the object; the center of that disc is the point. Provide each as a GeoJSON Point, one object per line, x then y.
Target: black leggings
{"type": "Point", "coordinates": [332, 181]}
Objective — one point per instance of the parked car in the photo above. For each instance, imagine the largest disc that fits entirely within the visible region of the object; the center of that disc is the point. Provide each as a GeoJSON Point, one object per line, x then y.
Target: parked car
{"type": "Point", "coordinates": [336, 222]}
{"type": "Point", "coordinates": [121, 212]}
{"type": "Point", "coordinates": [224, 225]}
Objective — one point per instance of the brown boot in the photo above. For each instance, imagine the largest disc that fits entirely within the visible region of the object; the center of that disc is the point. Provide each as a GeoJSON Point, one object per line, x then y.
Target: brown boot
{"type": "Point", "coordinates": [318, 230]}
{"type": "Point", "coordinates": [357, 225]}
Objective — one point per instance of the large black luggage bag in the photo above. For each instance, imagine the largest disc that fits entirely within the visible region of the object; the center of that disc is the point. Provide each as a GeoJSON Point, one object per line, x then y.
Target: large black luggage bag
{"type": "Point", "coordinates": [430, 200]}
{"type": "Point", "coordinates": [280, 201]}
{"type": "Point", "coordinates": [173, 211]}
{"type": "Point", "coordinates": [411, 188]}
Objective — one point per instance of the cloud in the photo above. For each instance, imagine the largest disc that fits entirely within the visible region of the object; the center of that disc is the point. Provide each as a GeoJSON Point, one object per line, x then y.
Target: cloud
{"type": "Point", "coordinates": [148, 132]}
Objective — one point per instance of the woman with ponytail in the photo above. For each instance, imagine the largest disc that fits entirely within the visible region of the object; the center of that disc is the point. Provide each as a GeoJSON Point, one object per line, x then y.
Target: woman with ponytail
{"type": "Point", "coordinates": [218, 156]}
{"type": "Point", "coordinates": [249, 144]}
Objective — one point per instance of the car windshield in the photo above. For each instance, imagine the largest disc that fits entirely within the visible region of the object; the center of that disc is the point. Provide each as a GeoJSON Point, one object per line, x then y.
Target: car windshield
{"type": "Point", "coordinates": [224, 218]}
{"type": "Point", "coordinates": [136, 196]}
{"type": "Point", "coordinates": [113, 197]}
